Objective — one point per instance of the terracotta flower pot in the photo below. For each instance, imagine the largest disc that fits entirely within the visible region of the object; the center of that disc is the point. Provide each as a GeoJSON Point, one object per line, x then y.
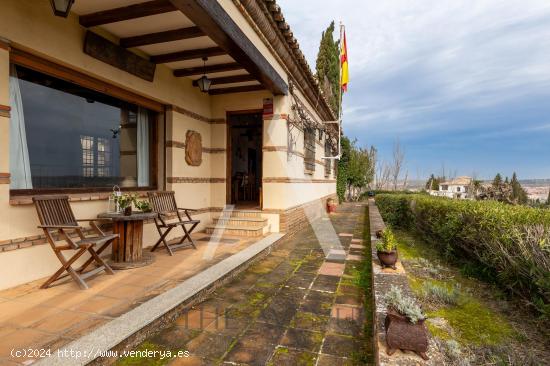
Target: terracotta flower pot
{"type": "Point", "coordinates": [387, 259]}
{"type": "Point", "coordinates": [331, 206]}
{"type": "Point", "coordinates": [404, 335]}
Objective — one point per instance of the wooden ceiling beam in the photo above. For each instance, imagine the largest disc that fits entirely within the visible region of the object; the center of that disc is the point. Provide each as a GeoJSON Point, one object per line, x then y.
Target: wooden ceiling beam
{"type": "Point", "coordinates": [236, 89]}
{"type": "Point", "coordinates": [187, 55]}
{"type": "Point", "coordinates": [161, 37]}
{"type": "Point", "coordinates": [214, 21]}
{"type": "Point", "coordinates": [229, 79]}
{"type": "Point", "coordinates": [209, 69]}
{"type": "Point", "coordinates": [127, 12]}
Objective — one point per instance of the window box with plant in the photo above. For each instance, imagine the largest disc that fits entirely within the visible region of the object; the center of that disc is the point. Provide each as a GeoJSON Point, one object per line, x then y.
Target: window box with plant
{"type": "Point", "coordinates": [404, 323]}
{"type": "Point", "coordinates": [386, 249]}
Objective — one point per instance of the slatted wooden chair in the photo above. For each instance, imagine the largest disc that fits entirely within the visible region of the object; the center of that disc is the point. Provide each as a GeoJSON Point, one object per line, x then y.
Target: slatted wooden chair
{"type": "Point", "coordinates": [55, 215]}
{"type": "Point", "coordinates": [164, 204]}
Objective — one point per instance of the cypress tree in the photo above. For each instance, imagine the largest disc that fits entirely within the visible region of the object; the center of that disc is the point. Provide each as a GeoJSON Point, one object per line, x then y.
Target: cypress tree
{"type": "Point", "coordinates": [548, 199]}
{"type": "Point", "coordinates": [497, 182]}
{"type": "Point", "coordinates": [328, 66]}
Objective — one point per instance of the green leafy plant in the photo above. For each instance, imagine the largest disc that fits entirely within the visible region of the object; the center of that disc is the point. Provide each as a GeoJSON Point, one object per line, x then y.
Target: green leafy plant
{"type": "Point", "coordinates": [124, 200]}
{"type": "Point", "coordinates": [143, 205]}
{"type": "Point", "coordinates": [404, 305]}
{"type": "Point", "coordinates": [388, 242]}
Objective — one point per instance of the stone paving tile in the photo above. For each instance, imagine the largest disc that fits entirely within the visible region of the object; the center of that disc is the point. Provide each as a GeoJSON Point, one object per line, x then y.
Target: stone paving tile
{"type": "Point", "coordinates": [249, 356]}
{"type": "Point", "coordinates": [302, 339]}
{"type": "Point", "coordinates": [208, 345]}
{"type": "Point", "coordinates": [339, 345]}
{"type": "Point", "coordinates": [292, 357]}
{"type": "Point", "coordinates": [326, 360]}
{"type": "Point", "coordinates": [353, 257]}
{"type": "Point", "coordinates": [310, 321]}
{"type": "Point", "coordinates": [332, 269]}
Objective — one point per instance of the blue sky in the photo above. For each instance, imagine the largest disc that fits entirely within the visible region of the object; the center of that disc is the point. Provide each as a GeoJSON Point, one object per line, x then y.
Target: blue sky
{"type": "Point", "coordinates": [461, 84]}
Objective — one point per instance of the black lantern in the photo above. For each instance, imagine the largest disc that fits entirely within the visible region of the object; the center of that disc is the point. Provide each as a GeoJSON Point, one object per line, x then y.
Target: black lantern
{"type": "Point", "coordinates": [204, 82]}
{"type": "Point", "coordinates": [61, 8]}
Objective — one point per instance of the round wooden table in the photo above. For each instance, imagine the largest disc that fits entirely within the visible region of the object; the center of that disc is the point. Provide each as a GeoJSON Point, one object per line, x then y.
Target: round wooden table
{"type": "Point", "coordinates": [128, 247]}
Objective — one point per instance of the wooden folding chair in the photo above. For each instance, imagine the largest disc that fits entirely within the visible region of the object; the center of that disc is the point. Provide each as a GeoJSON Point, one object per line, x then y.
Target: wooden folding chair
{"type": "Point", "coordinates": [55, 215]}
{"type": "Point", "coordinates": [164, 204]}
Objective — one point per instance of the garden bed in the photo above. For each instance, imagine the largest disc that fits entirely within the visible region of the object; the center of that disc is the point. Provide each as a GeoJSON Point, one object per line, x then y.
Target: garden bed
{"type": "Point", "coordinates": [472, 322]}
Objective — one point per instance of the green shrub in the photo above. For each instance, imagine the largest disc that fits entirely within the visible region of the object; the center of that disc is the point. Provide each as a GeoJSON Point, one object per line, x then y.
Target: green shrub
{"type": "Point", "coordinates": [441, 294]}
{"type": "Point", "coordinates": [388, 242]}
{"type": "Point", "coordinates": [510, 244]}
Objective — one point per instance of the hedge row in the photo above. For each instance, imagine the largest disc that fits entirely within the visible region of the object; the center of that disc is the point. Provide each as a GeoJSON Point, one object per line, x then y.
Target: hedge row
{"type": "Point", "coordinates": [510, 242]}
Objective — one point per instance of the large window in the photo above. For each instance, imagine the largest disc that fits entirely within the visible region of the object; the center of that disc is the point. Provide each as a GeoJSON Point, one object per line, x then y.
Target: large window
{"type": "Point", "coordinates": [67, 136]}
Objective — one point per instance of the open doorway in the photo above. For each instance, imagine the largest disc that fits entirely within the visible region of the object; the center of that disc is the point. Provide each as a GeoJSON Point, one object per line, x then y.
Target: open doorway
{"type": "Point", "coordinates": [244, 159]}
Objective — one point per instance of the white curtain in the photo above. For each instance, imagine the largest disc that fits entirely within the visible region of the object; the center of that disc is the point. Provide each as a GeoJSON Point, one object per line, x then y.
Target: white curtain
{"type": "Point", "coordinates": [20, 167]}
{"type": "Point", "coordinates": [143, 147]}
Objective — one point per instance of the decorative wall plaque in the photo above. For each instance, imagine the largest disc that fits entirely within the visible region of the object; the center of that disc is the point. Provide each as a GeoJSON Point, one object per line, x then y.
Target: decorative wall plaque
{"type": "Point", "coordinates": [193, 148]}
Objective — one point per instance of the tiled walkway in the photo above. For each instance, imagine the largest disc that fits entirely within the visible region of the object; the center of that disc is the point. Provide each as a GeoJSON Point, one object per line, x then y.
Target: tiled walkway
{"type": "Point", "coordinates": [49, 319]}
{"type": "Point", "coordinates": [294, 307]}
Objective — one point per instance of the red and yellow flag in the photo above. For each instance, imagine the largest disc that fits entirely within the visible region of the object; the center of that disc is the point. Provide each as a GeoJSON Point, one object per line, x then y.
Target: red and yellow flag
{"type": "Point", "coordinates": [344, 74]}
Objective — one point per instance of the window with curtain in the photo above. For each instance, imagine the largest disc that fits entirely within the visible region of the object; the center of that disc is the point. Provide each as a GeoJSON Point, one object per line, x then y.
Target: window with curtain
{"type": "Point", "coordinates": [309, 149]}
{"type": "Point", "coordinates": [73, 137]}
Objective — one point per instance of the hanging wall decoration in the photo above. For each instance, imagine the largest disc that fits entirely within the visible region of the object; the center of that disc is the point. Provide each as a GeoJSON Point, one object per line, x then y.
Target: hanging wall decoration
{"type": "Point", "coordinates": [193, 148]}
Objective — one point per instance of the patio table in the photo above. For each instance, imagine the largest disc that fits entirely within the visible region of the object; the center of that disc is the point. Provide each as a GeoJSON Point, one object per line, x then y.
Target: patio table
{"type": "Point", "coordinates": [128, 247]}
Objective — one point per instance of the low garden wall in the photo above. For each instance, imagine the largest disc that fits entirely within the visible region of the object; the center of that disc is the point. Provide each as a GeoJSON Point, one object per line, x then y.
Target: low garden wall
{"type": "Point", "coordinates": [507, 244]}
{"type": "Point", "coordinates": [382, 282]}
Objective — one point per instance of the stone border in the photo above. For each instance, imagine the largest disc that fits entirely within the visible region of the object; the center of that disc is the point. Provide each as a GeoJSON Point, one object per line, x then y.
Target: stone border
{"type": "Point", "coordinates": [382, 279]}
{"type": "Point", "coordinates": [131, 328]}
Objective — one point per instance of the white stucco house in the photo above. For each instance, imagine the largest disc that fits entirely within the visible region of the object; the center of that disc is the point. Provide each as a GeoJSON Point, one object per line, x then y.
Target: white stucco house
{"type": "Point", "coordinates": [455, 188]}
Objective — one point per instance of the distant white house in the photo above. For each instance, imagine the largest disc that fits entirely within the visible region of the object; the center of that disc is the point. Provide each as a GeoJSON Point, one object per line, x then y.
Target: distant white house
{"type": "Point", "coordinates": [455, 188]}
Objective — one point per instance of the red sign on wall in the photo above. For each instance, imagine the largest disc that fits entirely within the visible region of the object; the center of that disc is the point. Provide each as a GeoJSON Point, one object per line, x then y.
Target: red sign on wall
{"type": "Point", "coordinates": [268, 107]}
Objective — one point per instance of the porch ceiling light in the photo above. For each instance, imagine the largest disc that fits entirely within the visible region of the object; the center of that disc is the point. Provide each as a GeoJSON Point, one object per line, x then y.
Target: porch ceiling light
{"type": "Point", "coordinates": [61, 8]}
{"type": "Point", "coordinates": [204, 82]}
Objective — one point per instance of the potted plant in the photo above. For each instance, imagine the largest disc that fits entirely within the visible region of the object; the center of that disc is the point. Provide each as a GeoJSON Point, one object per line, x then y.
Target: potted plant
{"type": "Point", "coordinates": [331, 205]}
{"type": "Point", "coordinates": [124, 202]}
{"type": "Point", "coordinates": [386, 249]}
{"type": "Point", "coordinates": [143, 206]}
{"type": "Point", "coordinates": [404, 323]}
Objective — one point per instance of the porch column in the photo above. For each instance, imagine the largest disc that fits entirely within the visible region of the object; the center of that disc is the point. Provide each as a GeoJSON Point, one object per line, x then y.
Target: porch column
{"type": "Point", "coordinates": [275, 153]}
{"type": "Point", "coordinates": [4, 137]}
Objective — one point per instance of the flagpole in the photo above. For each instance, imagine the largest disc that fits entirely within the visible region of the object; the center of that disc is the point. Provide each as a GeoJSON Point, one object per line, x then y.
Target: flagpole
{"type": "Point", "coordinates": [340, 94]}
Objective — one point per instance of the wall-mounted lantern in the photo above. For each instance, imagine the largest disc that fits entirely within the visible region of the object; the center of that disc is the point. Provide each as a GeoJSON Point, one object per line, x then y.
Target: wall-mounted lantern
{"type": "Point", "coordinates": [61, 8]}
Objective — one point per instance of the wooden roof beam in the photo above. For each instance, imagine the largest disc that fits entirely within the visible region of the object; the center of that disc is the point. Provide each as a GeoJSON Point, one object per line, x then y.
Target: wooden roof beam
{"type": "Point", "coordinates": [209, 69]}
{"type": "Point", "coordinates": [229, 79]}
{"type": "Point", "coordinates": [214, 21]}
{"type": "Point", "coordinates": [187, 55]}
{"type": "Point", "coordinates": [161, 37]}
{"type": "Point", "coordinates": [236, 89]}
{"type": "Point", "coordinates": [127, 12]}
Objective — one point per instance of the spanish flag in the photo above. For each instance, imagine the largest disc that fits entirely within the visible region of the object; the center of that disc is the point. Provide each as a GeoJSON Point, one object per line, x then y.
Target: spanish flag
{"type": "Point", "coordinates": [344, 74]}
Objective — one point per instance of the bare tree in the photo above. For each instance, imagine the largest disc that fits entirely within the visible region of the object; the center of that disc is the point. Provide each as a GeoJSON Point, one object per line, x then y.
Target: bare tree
{"type": "Point", "coordinates": [406, 181]}
{"type": "Point", "coordinates": [397, 163]}
{"type": "Point", "coordinates": [383, 173]}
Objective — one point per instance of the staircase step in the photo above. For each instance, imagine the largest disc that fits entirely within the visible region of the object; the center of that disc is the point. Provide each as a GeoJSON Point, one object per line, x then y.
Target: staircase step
{"type": "Point", "coordinates": [240, 221]}
{"type": "Point", "coordinates": [256, 230]}
{"type": "Point", "coordinates": [246, 213]}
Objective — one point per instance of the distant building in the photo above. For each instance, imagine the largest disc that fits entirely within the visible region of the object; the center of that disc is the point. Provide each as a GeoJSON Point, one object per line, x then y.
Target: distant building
{"type": "Point", "coordinates": [455, 188]}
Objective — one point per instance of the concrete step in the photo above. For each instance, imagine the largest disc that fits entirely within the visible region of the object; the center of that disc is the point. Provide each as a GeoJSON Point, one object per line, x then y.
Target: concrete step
{"type": "Point", "coordinates": [240, 221]}
{"type": "Point", "coordinates": [249, 231]}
